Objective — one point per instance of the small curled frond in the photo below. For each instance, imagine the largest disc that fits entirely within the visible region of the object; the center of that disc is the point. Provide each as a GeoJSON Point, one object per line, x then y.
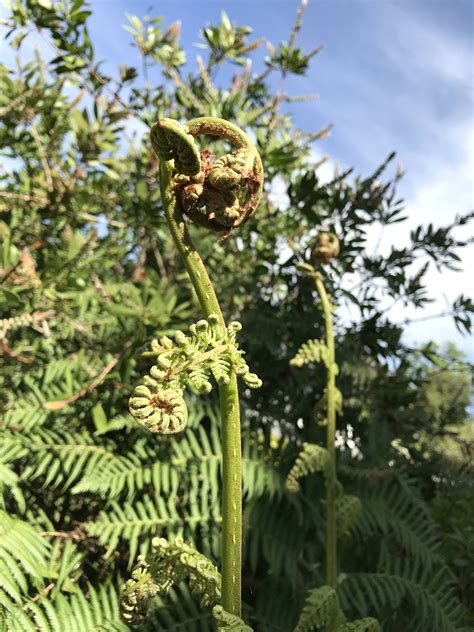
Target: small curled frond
{"type": "Point", "coordinates": [168, 564]}
{"type": "Point", "coordinates": [139, 590]}
{"type": "Point", "coordinates": [209, 350]}
{"type": "Point", "coordinates": [228, 622]}
{"type": "Point", "coordinates": [312, 351]}
{"type": "Point", "coordinates": [219, 193]}
{"type": "Point", "coordinates": [326, 247]}
{"type": "Point", "coordinates": [312, 458]}
{"type": "Point", "coordinates": [172, 141]}
{"type": "Point", "coordinates": [158, 410]}
{"type": "Point", "coordinates": [348, 510]}
{"type": "Point", "coordinates": [321, 608]}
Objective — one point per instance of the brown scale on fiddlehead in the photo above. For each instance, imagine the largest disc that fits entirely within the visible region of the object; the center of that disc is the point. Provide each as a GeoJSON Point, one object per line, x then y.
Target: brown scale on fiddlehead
{"type": "Point", "coordinates": [217, 193]}
{"type": "Point", "coordinates": [326, 247]}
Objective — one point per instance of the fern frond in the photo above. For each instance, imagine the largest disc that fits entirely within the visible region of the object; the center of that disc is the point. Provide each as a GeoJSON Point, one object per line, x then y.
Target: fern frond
{"type": "Point", "coordinates": [429, 598]}
{"type": "Point", "coordinates": [178, 611]}
{"type": "Point", "coordinates": [93, 611]}
{"type": "Point", "coordinates": [167, 564]}
{"type": "Point", "coordinates": [229, 622]}
{"type": "Point", "coordinates": [11, 450]}
{"type": "Point", "coordinates": [26, 412]}
{"type": "Point", "coordinates": [136, 524]}
{"type": "Point", "coordinates": [348, 510]}
{"type": "Point", "coordinates": [186, 362]}
{"type": "Point", "coordinates": [312, 351]}
{"type": "Point", "coordinates": [266, 535]}
{"type": "Point", "coordinates": [60, 458]}
{"type": "Point", "coordinates": [259, 468]}
{"type": "Point", "coordinates": [320, 609]}
{"type": "Point", "coordinates": [392, 509]}
{"type": "Point", "coordinates": [312, 458]}
{"type": "Point", "coordinates": [23, 554]}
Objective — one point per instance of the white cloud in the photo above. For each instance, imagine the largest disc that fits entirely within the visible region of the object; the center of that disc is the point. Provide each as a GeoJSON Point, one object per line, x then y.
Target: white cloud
{"type": "Point", "coordinates": [411, 90]}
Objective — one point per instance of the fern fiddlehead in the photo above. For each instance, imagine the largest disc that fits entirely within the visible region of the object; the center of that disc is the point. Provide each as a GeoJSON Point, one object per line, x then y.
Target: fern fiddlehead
{"type": "Point", "coordinates": [219, 194]}
{"type": "Point", "coordinates": [157, 402]}
{"type": "Point", "coordinates": [168, 564]}
{"type": "Point", "coordinates": [326, 247]}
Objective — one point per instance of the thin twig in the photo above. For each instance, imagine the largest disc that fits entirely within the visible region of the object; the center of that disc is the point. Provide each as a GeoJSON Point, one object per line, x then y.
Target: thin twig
{"type": "Point", "coordinates": [43, 158]}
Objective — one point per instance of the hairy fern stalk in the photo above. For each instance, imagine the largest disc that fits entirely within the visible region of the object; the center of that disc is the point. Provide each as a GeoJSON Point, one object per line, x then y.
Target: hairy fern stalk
{"type": "Point", "coordinates": [322, 604]}
{"type": "Point", "coordinates": [220, 194]}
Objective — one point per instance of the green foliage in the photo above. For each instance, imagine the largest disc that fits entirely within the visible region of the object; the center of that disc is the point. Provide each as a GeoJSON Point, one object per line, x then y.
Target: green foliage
{"type": "Point", "coordinates": [96, 609]}
{"type": "Point", "coordinates": [190, 361]}
{"type": "Point", "coordinates": [425, 596]}
{"type": "Point", "coordinates": [22, 558]}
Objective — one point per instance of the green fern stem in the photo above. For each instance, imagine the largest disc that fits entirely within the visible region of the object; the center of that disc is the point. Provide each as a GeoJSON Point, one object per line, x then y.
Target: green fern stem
{"type": "Point", "coordinates": [228, 393]}
{"type": "Point", "coordinates": [331, 533]}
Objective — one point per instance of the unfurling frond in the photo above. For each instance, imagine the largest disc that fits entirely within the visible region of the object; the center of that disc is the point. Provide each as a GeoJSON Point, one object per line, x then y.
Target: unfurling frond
{"type": "Point", "coordinates": [321, 607]}
{"type": "Point", "coordinates": [138, 592]}
{"type": "Point", "coordinates": [168, 564]}
{"type": "Point", "coordinates": [348, 509]}
{"type": "Point", "coordinates": [172, 141]}
{"type": "Point", "coordinates": [326, 247]}
{"type": "Point", "coordinates": [229, 622]}
{"type": "Point", "coordinates": [219, 193]}
{"type": "Point", "coordinates": [312, 351]}
{"type": "Point", "coordinates": [312, 458]}
{"type": "Point", "coordinates": [162, 411]}
{"type": "Point", "coordinates": [187, 361]}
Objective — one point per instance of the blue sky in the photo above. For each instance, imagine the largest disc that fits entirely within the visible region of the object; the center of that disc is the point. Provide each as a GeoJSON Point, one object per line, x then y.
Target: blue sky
{"type": "Point", "coordinates": [392, 75]}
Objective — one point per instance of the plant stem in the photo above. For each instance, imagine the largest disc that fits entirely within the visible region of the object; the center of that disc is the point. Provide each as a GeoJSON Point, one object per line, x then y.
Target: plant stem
{"type": "Point", "coordinates": [229, 403]}
{"type": "Point", "coordinates": [331, 535]}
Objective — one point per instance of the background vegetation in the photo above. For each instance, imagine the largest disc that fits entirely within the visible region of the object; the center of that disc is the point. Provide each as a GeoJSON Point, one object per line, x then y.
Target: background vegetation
{"type": "Point", "coordinates": [88, 274]}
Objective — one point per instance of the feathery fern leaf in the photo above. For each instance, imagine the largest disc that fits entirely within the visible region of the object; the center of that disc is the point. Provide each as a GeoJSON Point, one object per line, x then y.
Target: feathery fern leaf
{"type": "Point", "coordinates": [321, 608]}
{"type": "Point", "coordinates": [348, 510]}
{"type": "Point", "coordinates": [427, 599]}
{"type": "Point", "coordinates": [93, 611]}
{"type": "Point", "coordinates": [23, 554]}
{"type": "Point", "coordinates": [312, 458]}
